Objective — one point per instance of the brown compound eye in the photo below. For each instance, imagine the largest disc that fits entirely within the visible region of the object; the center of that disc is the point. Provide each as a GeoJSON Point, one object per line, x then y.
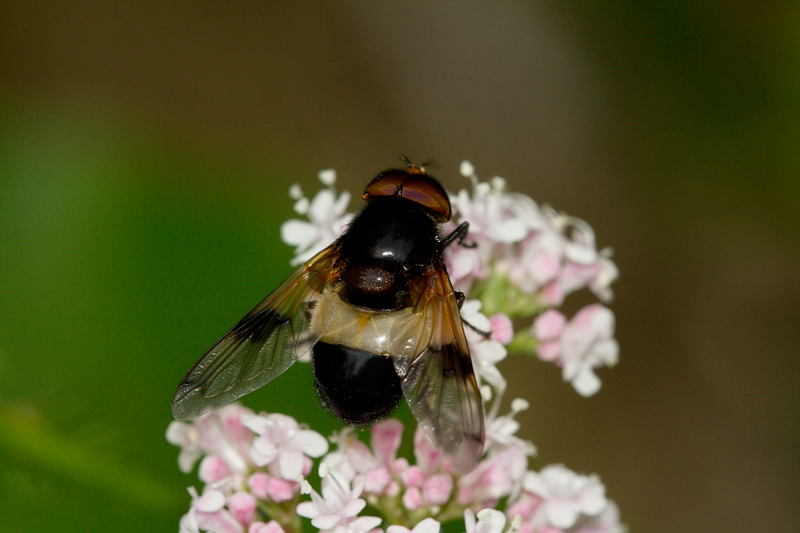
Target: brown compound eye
{"type": "Point", "coordinates": [387, 183]}
{"type": "Point", "coordinates": [412, 184]}
{"type": "Point", "coordinates": [429, 193]}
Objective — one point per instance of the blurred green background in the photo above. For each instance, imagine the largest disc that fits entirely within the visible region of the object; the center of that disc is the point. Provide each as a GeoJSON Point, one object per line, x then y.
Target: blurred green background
{"type": "Point", "coordinates": [146, 149]}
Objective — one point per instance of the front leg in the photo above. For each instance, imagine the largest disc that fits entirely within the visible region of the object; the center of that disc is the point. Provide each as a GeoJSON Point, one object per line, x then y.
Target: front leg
{"type": "Point", "coordinates": [460, 301]}
{"type": "Point", "coordinates": [458, 235]}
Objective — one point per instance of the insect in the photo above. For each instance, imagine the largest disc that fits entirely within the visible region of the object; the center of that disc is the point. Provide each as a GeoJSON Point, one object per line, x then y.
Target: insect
{"type": "Point", "coordinates": [379, 315]}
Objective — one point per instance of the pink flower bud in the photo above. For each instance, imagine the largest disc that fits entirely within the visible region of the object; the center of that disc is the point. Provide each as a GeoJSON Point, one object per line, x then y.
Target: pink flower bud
{"type": "Point", "coordinates": [525, 506]}
{"type": "Point", "coordinates": [552, 294]}
{"type": "Point", "coordinates": [281, 490]}
{"type": "Point", "coordinates": [399, 466]}
{"type": "Point", "coordinates": [437, 488]}
{"type": "Point", "coordinates": [242, 506]}
{"type": "Point", "coordinates": [393, 489]}
{"type": "Point", "coordinates": [549, 325]}
{"type": "Point", "coordinates": [376, 480]}
{"type": "Point", "coordinates": [428, 457]}
{"type": "Point", "coordinates": [501, 327]}
{"type": "Point", "coordinates": [413, 476]}
{"type": "Point", "coordinates": [526, 527]}
{"type": "Point", "coordinates": [212, 469]}
{"type": "Point", "coordinates": [549, 350]}
{"type": "Point", "coordinates": [412, 499]}
{"type": "Point", "coordinates": [231, 415]}
{"type": "Point", "coordinates": [386, 437]}
{"type": "Point", "coordinates": [259, 485]}
{"type": "Point", "coordinates": [544, 266]}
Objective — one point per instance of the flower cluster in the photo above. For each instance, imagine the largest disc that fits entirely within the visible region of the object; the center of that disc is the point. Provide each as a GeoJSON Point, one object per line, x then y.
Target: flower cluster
{"type": "Point", "coordinates": [252, 466]}
{"type": "Point", "coordinates": [526, 259]}
{"type": "Point", "coordinates": [255, 468]}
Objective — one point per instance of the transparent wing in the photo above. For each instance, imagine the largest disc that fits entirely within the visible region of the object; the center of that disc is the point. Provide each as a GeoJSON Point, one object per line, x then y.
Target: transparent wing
{"type": "Point", "coordinates": [262, 345]}
{"type": "Point", "coordinates": [438, 380]}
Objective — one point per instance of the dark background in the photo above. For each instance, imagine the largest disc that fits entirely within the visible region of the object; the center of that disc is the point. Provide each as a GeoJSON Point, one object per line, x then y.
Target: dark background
{"type": "Point", "coordinates": [146, 150]}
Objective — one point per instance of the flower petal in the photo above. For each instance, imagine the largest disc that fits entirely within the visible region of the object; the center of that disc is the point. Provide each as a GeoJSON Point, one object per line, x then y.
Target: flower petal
{"type": "Point", "coordinates": [312, 443]}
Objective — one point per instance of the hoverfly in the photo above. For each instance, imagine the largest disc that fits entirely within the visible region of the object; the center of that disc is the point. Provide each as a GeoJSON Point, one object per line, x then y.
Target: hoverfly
{"type": "Point", "coordinates": [379, 315]}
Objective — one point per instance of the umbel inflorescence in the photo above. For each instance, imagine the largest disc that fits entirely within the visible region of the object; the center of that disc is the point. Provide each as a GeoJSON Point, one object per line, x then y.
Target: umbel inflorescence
{"type": "Point", "coordinates": [525, 260]}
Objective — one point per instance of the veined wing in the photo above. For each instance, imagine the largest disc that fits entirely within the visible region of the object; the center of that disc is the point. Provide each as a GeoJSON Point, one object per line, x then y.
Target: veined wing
{"type": "Point", "coordinates": [433, 361]}
{"type": "Point", "coordinates": [262, 345]}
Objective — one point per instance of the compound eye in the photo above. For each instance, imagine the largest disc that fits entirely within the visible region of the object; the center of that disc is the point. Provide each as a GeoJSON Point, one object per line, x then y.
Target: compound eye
{"type": "Point", "coordinates": [429, 193]}
{"type": "Point", "coordinates": [386, 183]}
{"type": "Point", "coordinates": [412, 184]}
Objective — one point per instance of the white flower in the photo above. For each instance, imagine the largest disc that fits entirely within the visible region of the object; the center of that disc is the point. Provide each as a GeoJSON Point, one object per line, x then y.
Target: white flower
{"type": "Point", "coordinates": [351, 456]}
{"type": "Point", "coordinates": [486, 353]}
{"type": "Point", "coordinates": [188, 523]}
{"type": "Point", "coordinates": [587, 343]}
{"type": "Point", "coordinates": [208, 513]}
{"type": "Point", "coordinates": [488, 521]}
{"type": "Point", "coordinates": [497, 220]}
{"type": "Point", "coordinates": [211, 501]}
{"type": "Point", "coordinates": [583, 265]}
{"type": "Point", "coordinates": [499, 475]}
{"type": "Point", "coordinates": [376, 464]}
{"type": "Point", "coordinates": [326, 219]}
{"type": "Point", "coordinates": [607, 273]}
{"type": "Point", "coordinates": [606, 522]}
{"type": "Point", "coordinates": [429, 525]}
{"type": "Point", "coordinates": [501, 430]}
{"type": "Point", "coordinates": [537, 260]}
{"type": "Point", "coordinates": [493, 214]}
{"type": "Point", "coordinates": [566, 495]}
{"type": "Point", "coordinates": [338, 506]}
{"type": "Point", "coordinates": [580, 345]}
{"type": "Point", "coordinates": [281, 439]}
{"type": "Point", "coordinates": [465, 265]}
{"type": "Point", "coordinates": [218, 433]}
{"type": "Point", "coordinates": [188, 438]}
{"type": "Point", "coordinates": [270, 527]}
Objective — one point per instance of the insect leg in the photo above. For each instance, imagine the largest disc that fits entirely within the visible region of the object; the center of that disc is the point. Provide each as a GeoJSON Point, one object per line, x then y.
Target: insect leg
{"type": "Point", "coordinates": [460, 297]}
{"type": "Point", "coordinates": [485, 334]}
{"type": "Point", "coordinates": [458, 235]}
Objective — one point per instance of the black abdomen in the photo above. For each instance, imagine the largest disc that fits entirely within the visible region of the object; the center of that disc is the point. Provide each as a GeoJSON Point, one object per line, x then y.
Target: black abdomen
{"type": "Point", "coordinates": [359, 387]}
